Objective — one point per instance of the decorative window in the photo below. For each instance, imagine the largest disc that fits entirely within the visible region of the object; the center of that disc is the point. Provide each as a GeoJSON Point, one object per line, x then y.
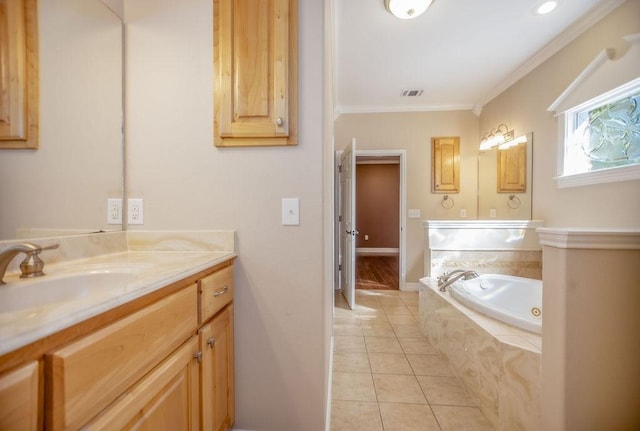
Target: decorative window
{"type": "Point", "coordinates": [604, 132]}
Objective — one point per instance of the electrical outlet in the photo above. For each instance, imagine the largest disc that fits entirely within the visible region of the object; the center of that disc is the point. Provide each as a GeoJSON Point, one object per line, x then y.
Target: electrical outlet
{"type": "Point", "coordinates": [463, 213]}
{"type": "Point", "coordinates": [135, 211]}
{"type": "Point", "coordinates": [114, 211]}
{"type": "Point", "coordinates": [492, 213]}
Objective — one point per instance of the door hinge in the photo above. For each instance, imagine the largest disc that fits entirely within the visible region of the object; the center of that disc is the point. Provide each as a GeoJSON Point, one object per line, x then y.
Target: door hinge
{"type": "Point", "coordinates": [339, 169]}
{"type": "Point", "coordinates": [339, 267]}
{"type": "Point", "coordinates": [339, 218]}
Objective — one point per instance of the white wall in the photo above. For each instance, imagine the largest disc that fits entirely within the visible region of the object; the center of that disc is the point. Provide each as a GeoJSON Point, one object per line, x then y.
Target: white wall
{"type": "Point", "coordinates": [413, 131]}
{"type": "Point", "coordinates": [524, 107]}
{"type": "Point", "coordinates": [187, 183]}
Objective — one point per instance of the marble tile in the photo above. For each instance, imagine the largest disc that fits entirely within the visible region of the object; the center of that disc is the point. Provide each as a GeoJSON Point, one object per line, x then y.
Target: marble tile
{"type": "Point", "coordinates": [519, 391]}
{"type": "Point", "coordinates": [389, 363]}
{"type": "Point", "coordinates": [352, 387]}
{"type": "Point", "coordinates": [382, 345]}
{"type": "Point", "coordinates": [417, 345]}
{"type": "Point", "coordinates": [408, 417]}
{"type": "Point", "coordinates": [444, 390]}
{"type": "Point", "coordinates": [355, 416]}
{"type": "Point", "coordinates": [429, 365]}
{"type": "Point", "coordinates": [351, 362]}
{"type": "Point", "coordinates": [348, 343]}
{"type": "Point", "coordinates": [454, 418]}
{"type": "Point", "coordinates": [398, 389]}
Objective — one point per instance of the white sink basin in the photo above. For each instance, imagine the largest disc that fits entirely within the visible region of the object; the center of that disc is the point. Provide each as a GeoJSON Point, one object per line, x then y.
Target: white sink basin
{"type": "Point", "coordinates": [24, 294]}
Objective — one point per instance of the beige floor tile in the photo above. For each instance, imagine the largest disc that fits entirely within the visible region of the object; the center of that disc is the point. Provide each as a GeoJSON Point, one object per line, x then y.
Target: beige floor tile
{"type": "Point", "coordinates": [411, 330]}
{"type": "Point", "coordinates": [452, 418]}
{"type": "Point", "coordinates": [445, 391]}
{"type": "Point", "coordinates": [347, 321]}
{"type": "Point", "coordinates": [351, 362]}
{"type": "Point", "coordinates": [368, 309]}
{"type": "Point", "coordinates": [391, 301]}
{"type": "Point", "coordinates": [429, 365]}
{"type": "Point", "coordinates": [408, 294]}
{"type": "Point", "coordinates": [348, 330]}
{"type": "Point", "coordinates": [395, 309]}
{"type": "Point", "coordinates": [379, 331]}
{"type": "Point", "coordinates": [410, 300]}
{"type": "Point", "coordinates": [382, 345]}
{"type": "Point", "coordinates": [398, 389]}
{"type": "Point", "coordinates": [355, 416]}
{"type": "Point", "coordinates": [352, 387]}
{"type": "Point", "coordinates": [402, 319]}
{"type": "Point", "coordinates": [389, 363]}
{"type": "Point", "coordinates": [408, 417]}
{"type": "Point", "coordinates": [348, 343]}
{"type": "Point", "coordinates": [367, 321]}
{"type": "Point", "coordinates": [414, 310]}
{"type": "Point", "coordinates": [417, 345]}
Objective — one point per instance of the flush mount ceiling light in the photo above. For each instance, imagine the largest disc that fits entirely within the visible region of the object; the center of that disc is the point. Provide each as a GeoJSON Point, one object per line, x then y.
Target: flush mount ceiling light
{"type": "Point", "coordinates": [546, 7]}
{"type": "Point", "coordinates": [500, 137]}
{"type": "Point", "coordinates": [407, 9]}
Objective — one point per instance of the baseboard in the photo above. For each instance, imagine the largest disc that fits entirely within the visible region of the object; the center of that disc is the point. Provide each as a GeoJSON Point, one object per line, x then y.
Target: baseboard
{"type": "Point", "coordinates": [377, 251]}
{"type": "Point", "coordinates": [411, 287]}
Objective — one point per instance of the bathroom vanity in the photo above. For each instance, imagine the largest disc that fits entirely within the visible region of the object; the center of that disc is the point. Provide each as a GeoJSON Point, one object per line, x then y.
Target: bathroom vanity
{"type": "Point", "coordinates": [158, 356]}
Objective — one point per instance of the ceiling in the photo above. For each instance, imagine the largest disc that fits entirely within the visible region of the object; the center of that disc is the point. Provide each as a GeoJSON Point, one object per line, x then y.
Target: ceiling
{"type": "Point", "coordinates": [461, 53]}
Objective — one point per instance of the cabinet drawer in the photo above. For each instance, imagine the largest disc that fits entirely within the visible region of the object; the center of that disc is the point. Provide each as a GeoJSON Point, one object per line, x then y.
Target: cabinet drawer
{"type": "Point", "coordinates": [216, 291]}
{"type": "Point", "coordinates": [87, 375]}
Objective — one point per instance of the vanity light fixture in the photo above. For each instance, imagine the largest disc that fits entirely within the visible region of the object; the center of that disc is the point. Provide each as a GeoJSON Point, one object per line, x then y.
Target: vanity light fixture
{"type": "Point", "coordinates": [407, 9]}
{"type": "Point", "coordinates": [500, 137]}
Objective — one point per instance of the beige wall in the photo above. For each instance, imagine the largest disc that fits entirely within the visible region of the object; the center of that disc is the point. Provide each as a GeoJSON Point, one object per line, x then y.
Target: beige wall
{"type": "Point", "coordinates": [524, 107]}
{"type": "Point", "coordinates": [413, 131]}
{"type": "Point", "coordinates": [187, 183]}
{"type": "Point", "coordinates": [378, 205]}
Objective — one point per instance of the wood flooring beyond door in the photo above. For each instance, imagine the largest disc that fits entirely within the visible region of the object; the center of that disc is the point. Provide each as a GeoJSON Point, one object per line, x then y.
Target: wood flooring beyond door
{"type": "Point", "coordinates": [377, 272]}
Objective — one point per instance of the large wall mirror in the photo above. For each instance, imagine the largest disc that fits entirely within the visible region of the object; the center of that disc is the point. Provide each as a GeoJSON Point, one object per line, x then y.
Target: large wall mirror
{"type": "Point", "coordinates": [63, 186]}
{"type": "Point", "coordinates": [505, 181]}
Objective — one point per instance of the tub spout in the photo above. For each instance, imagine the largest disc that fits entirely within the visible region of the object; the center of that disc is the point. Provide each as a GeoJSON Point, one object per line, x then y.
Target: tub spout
{"type": "Point", "coordinates": [448, 278]}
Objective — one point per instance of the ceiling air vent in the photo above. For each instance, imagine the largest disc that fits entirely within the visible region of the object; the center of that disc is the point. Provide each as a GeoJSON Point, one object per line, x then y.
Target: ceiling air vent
{"type": "Point", "coordinates": [410, 93]}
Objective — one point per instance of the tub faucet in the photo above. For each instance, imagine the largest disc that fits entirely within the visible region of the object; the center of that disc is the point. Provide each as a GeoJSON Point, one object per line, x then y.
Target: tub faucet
{"type": "Point", "coordinates": [31, 266]}
{"type": "Point", "coordinates": [448, 278]}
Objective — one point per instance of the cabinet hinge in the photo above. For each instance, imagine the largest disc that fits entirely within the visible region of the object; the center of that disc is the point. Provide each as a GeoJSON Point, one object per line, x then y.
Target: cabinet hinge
{"type": "Point", "coordinates": [198, 357]}
{"type": "Point", "coordinates": [339, 218]}
{"type": "Point", "coordinates": [339, 267]}
{"type": "Point", "coordinates": [339, 169]}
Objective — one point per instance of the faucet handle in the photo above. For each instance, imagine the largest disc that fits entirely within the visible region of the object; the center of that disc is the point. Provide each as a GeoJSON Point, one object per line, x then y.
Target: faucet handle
{"type": "Point", "coordinates": [32, 265]}
{"type": "Point", "coordinates": [49, 247]}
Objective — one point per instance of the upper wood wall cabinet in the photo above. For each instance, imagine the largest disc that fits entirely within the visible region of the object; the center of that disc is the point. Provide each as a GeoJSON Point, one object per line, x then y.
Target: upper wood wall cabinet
{"type": "Point", "coordinates": [19, 74]}
{"type": "Point", "coordinates": [255, 71]}
{"type": "Point", "coordinates": [445, 165]}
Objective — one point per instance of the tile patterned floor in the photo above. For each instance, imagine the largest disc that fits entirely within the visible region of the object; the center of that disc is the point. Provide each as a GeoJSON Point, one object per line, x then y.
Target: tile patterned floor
{"type": "Point", "coordinates": [387, 376]}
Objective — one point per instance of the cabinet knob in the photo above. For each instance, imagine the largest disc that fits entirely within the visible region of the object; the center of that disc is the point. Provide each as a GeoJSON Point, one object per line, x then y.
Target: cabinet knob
{"type": "Point", "coordinates": [198, 356]}
{"type": "Point", "coordinates": [211, 342]}
{"type": "Point", "coordinates": [279, 121]}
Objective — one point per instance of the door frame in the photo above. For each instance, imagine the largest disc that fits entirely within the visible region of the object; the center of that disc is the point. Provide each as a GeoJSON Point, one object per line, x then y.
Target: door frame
{"type": "Point", "coordinates": [402, 258]}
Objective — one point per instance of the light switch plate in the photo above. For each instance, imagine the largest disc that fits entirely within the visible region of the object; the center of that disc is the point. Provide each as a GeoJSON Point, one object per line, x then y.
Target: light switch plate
{"type": "Point", "coordinates": [415, 213]}
{"type": "Point", "coordinates": [290, 211]}
{"type": "Point", "coordinates": [463, 213]}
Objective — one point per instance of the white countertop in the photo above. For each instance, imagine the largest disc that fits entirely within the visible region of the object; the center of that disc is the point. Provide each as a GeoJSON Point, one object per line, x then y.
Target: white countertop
{"type": "Point", "coordinates": [149, 271]}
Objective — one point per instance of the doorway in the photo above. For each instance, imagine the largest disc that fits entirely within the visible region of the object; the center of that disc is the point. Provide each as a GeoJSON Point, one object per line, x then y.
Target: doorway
{"type": "Point", "coordinates": [397, 157]}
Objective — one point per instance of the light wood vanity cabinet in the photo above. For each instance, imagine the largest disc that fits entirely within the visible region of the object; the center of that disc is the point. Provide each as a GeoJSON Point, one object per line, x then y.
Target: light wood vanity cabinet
{"type": "Point", "coordinates": [20, 398]}
{"type": "Point", "coordinates": [167, 365]}
{"type": "Point", "coordinates": [255, 72]}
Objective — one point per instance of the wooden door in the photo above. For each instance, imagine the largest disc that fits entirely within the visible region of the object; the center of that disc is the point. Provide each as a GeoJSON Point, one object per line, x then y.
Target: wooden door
{"type": "Point", "coordinates": [166, 400]}
{"type": "Point", "coordinates": [217, 381]}
{"type": "Point", "coordinates": [348, 214]}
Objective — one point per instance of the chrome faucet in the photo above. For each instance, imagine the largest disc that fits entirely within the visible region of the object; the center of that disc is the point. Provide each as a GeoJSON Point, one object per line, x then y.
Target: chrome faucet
{"type": "Point", "coordinates": [448, 278]}
{"type": "Point", "coordinates": [31, 266]}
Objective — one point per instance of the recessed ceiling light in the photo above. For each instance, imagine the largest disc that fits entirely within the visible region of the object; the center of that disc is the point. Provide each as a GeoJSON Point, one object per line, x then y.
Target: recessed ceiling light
{"type": "Point", "coordinates": [546, 7]}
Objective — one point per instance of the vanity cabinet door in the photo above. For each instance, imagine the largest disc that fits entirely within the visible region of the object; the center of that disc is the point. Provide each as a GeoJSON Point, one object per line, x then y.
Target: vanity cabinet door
{"type": "Point", "coordinates": [217, 381]}
{"type": "Point", "coordinates": [255, 72]}
{"type": "Point", "coordinates": [167, 399]}
{"type": "Point", "coordinates": [20, 399]}
{"type": "Point", "coordinates": [445, 165]}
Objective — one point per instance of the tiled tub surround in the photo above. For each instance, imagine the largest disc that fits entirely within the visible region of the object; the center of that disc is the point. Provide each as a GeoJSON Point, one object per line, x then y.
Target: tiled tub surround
{"type": "Point", "coordinates": [156, 265]}
{"type": "Point", "coordinates": [509, 247]}
{"type": "Point", "coordinates": [498, 364]}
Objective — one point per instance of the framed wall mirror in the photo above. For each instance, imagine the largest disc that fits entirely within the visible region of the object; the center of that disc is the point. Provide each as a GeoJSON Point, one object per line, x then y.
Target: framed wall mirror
{"type": "Point", "coordinates": [505, 182]}
{"type": "Point", "coordinates": [63, 187]}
